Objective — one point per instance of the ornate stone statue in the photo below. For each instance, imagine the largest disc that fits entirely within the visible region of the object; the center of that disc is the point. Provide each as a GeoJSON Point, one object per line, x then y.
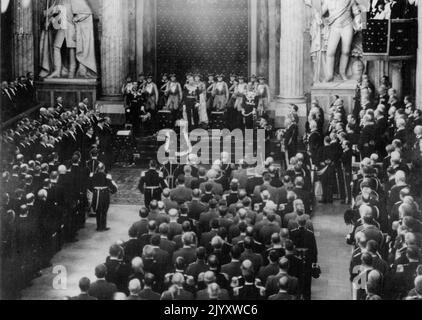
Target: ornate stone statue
{"type": "Point", "coordinates": [71, 23]}
{"type": "Point", "coordinates": [341, 14]}
{"type": "Point", "coordinates": [342, 20]}
{"type": "Point", "coordinates": [319, 32]}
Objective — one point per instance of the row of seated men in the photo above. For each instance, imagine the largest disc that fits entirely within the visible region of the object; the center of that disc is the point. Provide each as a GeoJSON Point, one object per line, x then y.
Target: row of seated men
{"type": "Point", "coordinates": [17, 96]}
{"type": "Point", "coordinates": [45, 180]}
{"type": "Point", "coordinates": [200, 240]}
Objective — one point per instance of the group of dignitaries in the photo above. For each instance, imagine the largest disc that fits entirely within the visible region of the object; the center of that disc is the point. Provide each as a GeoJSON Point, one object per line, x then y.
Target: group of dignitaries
{"type": "Point", "coordinates": [229, 232]}
{"type": "Point", "coordinates": [240, 101]}
{"type": "Point", "coordinates": [17, 96]}
{"type": "Point", "coordinates": [54, 173]}
{"type": "Point", "coordinates": [371, 160]}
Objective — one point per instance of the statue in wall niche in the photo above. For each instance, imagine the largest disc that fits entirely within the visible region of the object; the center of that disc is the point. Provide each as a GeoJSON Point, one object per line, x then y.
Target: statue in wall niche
{"type": "Point", "coordinates": [334, 23]}
{"type": "Point", "coordinates": [67, 41]}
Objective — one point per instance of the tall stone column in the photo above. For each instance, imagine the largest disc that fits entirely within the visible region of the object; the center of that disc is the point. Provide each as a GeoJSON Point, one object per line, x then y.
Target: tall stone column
{"type": "Point", "coordinates": [114, 47]}
{"type": "Point", "coordinates": [293, 24]}
{"type": "Point", "coordinates": [253, 35]}
{"type": "Point", "coordinates": [263, 38]}
{"type": "Point", "coordinates": [274, 46]}
{"type": "Point", "coordinates": [419, 59]}
{"type": "Point", "coordinates": [397, 77]}
{"type": "Point", "coordinates": [23, 38]}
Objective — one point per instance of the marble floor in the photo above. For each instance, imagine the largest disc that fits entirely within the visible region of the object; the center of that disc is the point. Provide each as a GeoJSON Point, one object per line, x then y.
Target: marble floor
{"type": "Point", "coordinates": [79, 259]}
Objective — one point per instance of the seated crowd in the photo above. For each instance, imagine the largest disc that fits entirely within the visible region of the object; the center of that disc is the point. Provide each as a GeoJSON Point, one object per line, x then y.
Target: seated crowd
{"type": "Point", "coordinates": [46, 165]}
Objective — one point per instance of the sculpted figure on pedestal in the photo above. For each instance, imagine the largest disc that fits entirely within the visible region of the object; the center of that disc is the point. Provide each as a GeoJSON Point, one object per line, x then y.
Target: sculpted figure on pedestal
{"type": "Point", "coordinates": [333, 22]}
{"type": "Point", "coordinates": [69, 23]}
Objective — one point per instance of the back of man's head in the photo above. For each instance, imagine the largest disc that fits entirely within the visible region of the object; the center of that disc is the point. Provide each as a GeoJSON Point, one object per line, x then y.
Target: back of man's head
{"type": "Point", "coordinates": [273, 256]}
{"type": "Point", "coordinates": [164, 229]}
{"type": "Point", "coordinates": [180, 263]}
{"type": "Point", "coordinates": [149, 279]}
{"type": "Point", "coordinates": [134, 287]}
{"type": "Point", "coordinates": [418, 285]}
{"type": "Point", "coordinates": [187, 239]}
{"type": "Point", "coordinates": [367, 259]}
{"type": "Point", "coordinates": [115, 251]}
{"type": "Point", "coordinates": [372, 246]}
{"type": "Point", "coordinates": [284, 264]}
{"type": "Point", "coordinates": [156, 240]}
{"type": "Point", "coordinates": [213, 262]}
{"type": "Point", "coordinates": [283, 283]}
{"type": "Point", "coordinates": [248, 243]}
{"type": "Point", "coordinates": [84, 284]}
{"type": "Point", "coordinates": [100, 271]}
{"type": "Point", "coordinates": [201, 253]}
{"type": "Point", "coordinates": [143, 213]}
{"type": "Point", "coordinates": [196, 193]}
{"type": "Point", "coordinates": [152, 226]}
{"type": "Point", "coordinates": [209, 277]}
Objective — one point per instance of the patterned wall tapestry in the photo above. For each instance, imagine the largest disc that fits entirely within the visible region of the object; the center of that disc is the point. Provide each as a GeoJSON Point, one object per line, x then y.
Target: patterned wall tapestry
{"type": "Point", "coordinates": [202, 36]}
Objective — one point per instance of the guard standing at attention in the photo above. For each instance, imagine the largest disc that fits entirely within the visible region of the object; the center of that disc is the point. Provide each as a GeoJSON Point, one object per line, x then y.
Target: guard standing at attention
{"type": "Point", "coordinates": [152, 184]}
{"type": "Point", "coordinates": [102, 185]}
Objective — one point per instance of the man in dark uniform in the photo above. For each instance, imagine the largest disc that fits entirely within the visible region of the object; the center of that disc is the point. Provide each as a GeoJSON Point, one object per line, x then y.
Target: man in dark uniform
{"type": "Point", "coordinates": [56, 203]}
{"type": "Point", "coordinates": [152, 184]}
{"type": "Point", "coordinates": [102, 186]}
{"type": "Point", "coordinates": [93, 163]}
{"type": "Point", "coordinates": [305, 242]}
{"type": "Point", "coordinates": [327, 171]}
{"type": "Point", "coordinates": [346, 166]}
{"type": "Point", "coordinates": [78, 178]}
{"type": "Point", "coordinates": [366, 142]}
{"type": "Point", "coordinates": [290, 138]}
{"type": "Point", "coordinates": [105, 145]}
{"type": "Point", "coordinates": [26, 244]}
{"type": "Point", "coordinates": [249, 291]}
{"type": "Point", "coordinates": [88, 142]}
{"type": "Point", "coordinates": [315, 143]}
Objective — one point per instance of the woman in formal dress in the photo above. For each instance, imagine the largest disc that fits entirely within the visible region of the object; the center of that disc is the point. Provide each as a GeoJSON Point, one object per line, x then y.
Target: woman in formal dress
{"type": "Point", "coordinates": [263, 95]}
{"type": "Point", "coordinates": [163, 87]}
{"type": "Point", "coordinates": [210, 89]}
{"type": "Point", "coordinates": [221, 94]}
{"type": "Point", "coordinates": [202, 108]}
{"type": "Point", "coordinates": [231, 111]}
{"type": "Point", "coordinates": [240, 96]}
{"type": "Point", "coordinates": [175, 95]}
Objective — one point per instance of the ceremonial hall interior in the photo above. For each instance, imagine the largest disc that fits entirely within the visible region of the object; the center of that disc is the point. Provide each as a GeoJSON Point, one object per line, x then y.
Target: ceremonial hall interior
{"type": "Point", "coordinates": [226, 150]}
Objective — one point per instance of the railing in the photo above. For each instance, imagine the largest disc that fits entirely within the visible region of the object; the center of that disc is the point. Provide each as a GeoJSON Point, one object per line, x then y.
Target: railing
{"type": "Point", "coordinates": [27, 113]}
{"type": "Point", "coordinates": [390, 39]}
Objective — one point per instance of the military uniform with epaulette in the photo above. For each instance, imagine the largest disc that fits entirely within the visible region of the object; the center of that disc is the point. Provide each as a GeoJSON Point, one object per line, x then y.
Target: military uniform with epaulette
{"type": "Point", "coordinates": [249, 292]}
{"type": "Point", "coordinates": [102, 186]}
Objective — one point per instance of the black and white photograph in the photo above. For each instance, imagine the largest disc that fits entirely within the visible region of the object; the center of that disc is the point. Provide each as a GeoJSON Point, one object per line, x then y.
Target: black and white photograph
{"type": "Point", "coordinates": [236, 152]}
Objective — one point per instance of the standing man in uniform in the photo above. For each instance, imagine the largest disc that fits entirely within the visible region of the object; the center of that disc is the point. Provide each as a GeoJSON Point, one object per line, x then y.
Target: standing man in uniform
{"type": "Point", "coordinates": [151, 95]}
{"type": "Point", "coordinates": [327, 171]}
{"type": "Point", "coordinates": [304, 240]}
{"type": "Point", "coordinates": [102, 185]}
{"type": "Point", "coordinates": [152, 184]}
{"type": "Point", "coordinates": [175, 96]}
{"type": "Point", "coordinates": [105, 143]}
{"type": "Point", "coordinates": [346, 166]}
